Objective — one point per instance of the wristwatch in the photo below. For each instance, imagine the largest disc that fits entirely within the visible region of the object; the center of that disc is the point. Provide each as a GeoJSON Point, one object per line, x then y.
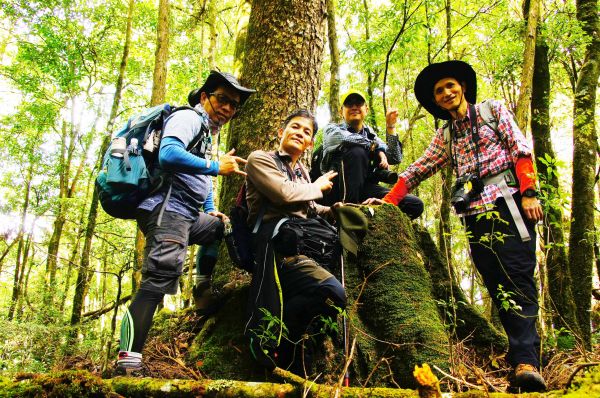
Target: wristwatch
{"type": "Point", "coordinates": [530, 193]}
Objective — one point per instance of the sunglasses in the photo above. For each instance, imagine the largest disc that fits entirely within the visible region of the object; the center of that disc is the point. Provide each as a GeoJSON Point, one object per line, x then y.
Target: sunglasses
{"type": "Point", "coordinates": [225, 100]}
{"type": "Point", "coordinates": [350, 102]}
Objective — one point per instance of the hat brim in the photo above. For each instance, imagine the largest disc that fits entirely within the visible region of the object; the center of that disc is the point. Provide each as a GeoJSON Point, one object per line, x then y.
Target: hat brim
{"type": "Point", "coordinates": [431, 74]}
{"type": "Point", "coordinates": [215, 79]}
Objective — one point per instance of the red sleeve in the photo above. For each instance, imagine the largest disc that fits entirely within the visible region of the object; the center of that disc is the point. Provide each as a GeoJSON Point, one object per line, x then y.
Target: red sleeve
{"type": "Point", "coordinates": [525, 173]}
{"type": "Point", "coordinates": [397, 193]}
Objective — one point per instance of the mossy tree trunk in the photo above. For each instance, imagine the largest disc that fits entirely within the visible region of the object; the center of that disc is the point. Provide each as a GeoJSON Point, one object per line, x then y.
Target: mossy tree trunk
{"type": "Point", "coordinates": [581, 250]}
{"type": "Point", "coordinates": [559, 295]}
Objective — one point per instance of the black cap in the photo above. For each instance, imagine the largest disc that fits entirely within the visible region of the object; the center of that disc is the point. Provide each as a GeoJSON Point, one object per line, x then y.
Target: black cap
{"type": "Point", "coordinates": [461, 71]}
{"type": "Point", "coordinates": [215, 79]}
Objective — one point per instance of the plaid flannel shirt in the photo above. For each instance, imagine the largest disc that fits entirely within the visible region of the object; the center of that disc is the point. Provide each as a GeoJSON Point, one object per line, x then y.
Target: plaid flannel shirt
{"type": "Point", "coordinates": [498, 151]}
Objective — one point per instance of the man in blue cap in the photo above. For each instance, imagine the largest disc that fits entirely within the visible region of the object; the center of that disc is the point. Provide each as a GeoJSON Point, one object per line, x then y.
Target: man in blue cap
{"type": "Point", "coordinates": [361, 158]}
{"type": "Point", "coordinates": [170, 227]}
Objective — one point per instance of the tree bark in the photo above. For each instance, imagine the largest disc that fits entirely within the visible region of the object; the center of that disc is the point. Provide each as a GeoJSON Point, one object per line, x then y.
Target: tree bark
{"type": "Point", "coordinates": [334, 69]}
{"type": "Point", "coordinates": [581, 250]}
{"type": "Point", "coordinates": [444, 229]}
{"type": "Point", "coordinates": [284, 50]}
{"type": "Point", "coordinates": [161, 55]}
{"type": "Point", "coordinates": [21, 254]}
{"type": "Point", "coordinates": [532, 11]}
{"type": "Point", "coordinates": [559, 296]}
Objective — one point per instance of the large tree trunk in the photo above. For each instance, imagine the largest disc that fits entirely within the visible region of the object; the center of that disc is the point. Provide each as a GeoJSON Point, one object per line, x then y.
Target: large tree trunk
{"type": "Point", "coordinates": [581, 250]}
{"type": "Point", "coordinates": [531, 12]}
{"type": "Point", "coordinates": [282, 60]}
{"type": "Point", "coordinates": [559, 296]}
{"type": "Point", "coordinates": [334, 69]}
{"type": "Point", "coordinates": [84, 269]}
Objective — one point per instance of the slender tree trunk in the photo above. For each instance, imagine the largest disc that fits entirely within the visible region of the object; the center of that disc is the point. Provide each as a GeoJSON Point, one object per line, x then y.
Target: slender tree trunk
{"type": "Point", "coordinates": [24, 263]}
{"type": "Point", "coordinates": [211, 21]}
{"type": "Point", "coordinates": [159, 88]}
{"type": "Point", "coordinates": [19, 264]}
{"type": "Point", "coordinates": [369, 70]}
{"type": "Point", "coordinates": [559, 297]}
{"type": "Point", "coordinates": [334, 69]}
{"type": "Point", "coordinates": [531, 11]}
{"type": "Point", "coordinates": [444, 229]}
{"type": "Point", "coordinates": [161, 56]}
{"type": "Point", "coordinates": [84, 269]}
{"type": "Point", "coordinates": [581, 240]}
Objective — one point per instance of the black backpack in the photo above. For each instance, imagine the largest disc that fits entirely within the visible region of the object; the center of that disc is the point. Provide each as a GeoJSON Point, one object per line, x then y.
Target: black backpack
{"type": "Point", "coordinates": [239, 240]}
{"type": "Point", "coordinates": [315, 163]}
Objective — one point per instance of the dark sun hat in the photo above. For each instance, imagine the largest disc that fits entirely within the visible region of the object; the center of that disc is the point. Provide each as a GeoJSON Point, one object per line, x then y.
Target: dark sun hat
{"type": "Point", "coordinates": [215, 79]}
{"type": "Point", "coordinates": [431, 74]}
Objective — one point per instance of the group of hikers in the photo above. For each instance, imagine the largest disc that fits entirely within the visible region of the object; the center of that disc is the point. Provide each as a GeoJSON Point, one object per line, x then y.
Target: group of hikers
{"type": "Point", "coordinates": [494, 171]}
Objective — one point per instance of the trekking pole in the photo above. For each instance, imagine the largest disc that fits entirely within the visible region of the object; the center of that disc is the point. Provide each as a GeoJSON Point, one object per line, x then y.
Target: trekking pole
{"type": "Point", "coordinates": [345, 324]}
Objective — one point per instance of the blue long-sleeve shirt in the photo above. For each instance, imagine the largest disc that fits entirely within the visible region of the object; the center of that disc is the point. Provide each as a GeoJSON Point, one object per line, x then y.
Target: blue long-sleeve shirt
{"type": "Point", "coordinates": [191, 185]}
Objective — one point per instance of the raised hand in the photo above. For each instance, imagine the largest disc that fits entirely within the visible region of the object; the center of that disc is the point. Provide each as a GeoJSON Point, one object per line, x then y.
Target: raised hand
{"type": "Point", "coordinates": [230, 164]}
{"type": "Point", "coordinates": [324, 182]}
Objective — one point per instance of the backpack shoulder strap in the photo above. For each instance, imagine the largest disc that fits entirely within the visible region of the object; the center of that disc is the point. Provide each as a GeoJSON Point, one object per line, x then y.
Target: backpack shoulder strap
{"type": "Point", "coordinates": [198, 136]}
{"type": "Point", "coordinates": [485, 112]}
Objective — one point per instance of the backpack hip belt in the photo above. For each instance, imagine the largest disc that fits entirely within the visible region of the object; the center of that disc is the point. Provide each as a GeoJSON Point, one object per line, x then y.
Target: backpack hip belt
{"type": "Point", "coordinates": [501, 181]}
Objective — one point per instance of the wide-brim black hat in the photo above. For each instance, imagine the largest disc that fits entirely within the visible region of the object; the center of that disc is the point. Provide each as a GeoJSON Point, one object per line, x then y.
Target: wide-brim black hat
{"type": "Point", "coordinates": [461, 71]}
{"type": "Point", "coordinates": [215, 79]}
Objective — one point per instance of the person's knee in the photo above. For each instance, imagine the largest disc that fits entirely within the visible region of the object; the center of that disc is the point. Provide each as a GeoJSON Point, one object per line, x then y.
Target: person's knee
{"type": "Point", "coordinates": [412, 206]}
{"type": "Point", "coordinates": [355, 153]}
{"type": "Point", "coordinates": [333, 293]}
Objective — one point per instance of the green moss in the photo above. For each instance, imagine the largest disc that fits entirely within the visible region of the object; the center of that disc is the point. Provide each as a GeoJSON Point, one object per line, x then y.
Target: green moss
{"type": "Point", "coordinates": [587, 385]}
{"type": "Point", "coordinates": [68, 384]}
{"type": "Point", "coordinates": [470, 324]}
{"type": "Point", "coordinates": [220, 350]}
{"type": "Point", "coordinates": [396, 303]}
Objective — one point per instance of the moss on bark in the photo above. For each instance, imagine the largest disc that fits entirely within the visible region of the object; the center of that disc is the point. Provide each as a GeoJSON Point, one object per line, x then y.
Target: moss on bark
{"type": "Point", "coordinates": [396, 303]}
{"type": "Point", "coordinates": [469, 323]}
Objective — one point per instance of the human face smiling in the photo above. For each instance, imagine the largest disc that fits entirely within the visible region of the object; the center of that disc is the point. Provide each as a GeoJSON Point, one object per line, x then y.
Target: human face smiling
{"type": "Point", "coordinates": [296, 136]}
{"type": "Point", "coordinates": [354, 111]}
{"type": "Point", "coordinates": [221, 104]}
{"type": "Point", "coordinates": [448, 94]}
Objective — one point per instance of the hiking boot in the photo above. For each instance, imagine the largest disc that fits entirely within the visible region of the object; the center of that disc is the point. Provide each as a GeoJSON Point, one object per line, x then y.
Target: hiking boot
{"type": "Point", "coordinates": [526, 378]}
{"type": "Point", "coordinates": [205, 301]}
{"type": "Point", "coordinates": [129, 364]}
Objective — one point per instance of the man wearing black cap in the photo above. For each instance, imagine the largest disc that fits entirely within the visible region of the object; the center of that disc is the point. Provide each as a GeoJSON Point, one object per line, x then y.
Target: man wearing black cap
{"type": "Point", "coordinates": [171, 227]}
{"type": "Point", "coordinates": [495, 176]}
{"type": "Point", "coordinates": [361, 158]}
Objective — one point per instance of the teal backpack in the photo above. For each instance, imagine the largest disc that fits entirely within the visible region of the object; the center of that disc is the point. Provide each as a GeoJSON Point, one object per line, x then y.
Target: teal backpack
{"type": "Point", "coordinates": [130, 171]}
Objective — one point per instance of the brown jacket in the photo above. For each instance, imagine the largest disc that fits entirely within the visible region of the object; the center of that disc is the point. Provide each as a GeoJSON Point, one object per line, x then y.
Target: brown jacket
{"type": "Point", "coordinates": [287, 195]}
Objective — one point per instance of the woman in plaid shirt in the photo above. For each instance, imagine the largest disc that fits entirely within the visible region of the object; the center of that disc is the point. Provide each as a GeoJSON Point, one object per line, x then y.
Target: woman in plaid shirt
{"type": "Point", "coordinates": [448, 91]}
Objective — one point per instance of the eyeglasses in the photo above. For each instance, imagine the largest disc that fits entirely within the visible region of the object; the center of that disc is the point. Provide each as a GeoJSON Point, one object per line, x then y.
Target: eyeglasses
{"type": "Point", "coordinates": [225, 100]}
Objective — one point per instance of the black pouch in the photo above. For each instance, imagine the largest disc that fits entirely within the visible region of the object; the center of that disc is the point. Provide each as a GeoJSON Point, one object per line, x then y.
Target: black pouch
{"type": "Point", "coordinates": [312, 237]}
